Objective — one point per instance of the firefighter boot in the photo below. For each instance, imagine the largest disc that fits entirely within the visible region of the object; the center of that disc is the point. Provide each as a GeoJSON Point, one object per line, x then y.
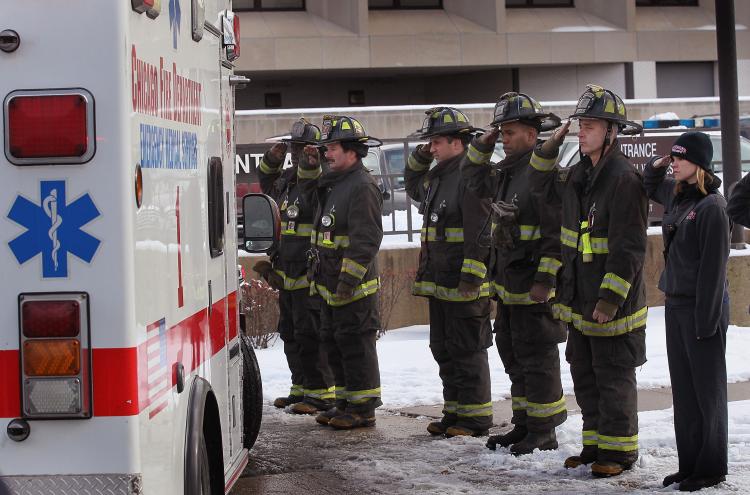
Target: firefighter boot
{"type": "Point", "coordinates": [282, 402]}
{"type": "Point", "coordinates": [515, 435]}
{"type": "Point", "coordinates": [462, 431]}
{"type": "Point", "coordinates": [325, 417]}
{"type": "Point", "coordinates": [349, 421]}
{"type": "Point", "coordinates": [439, 427]}
{"type": "Point", "coordinates": [546, 440]}
{"type": "Point", "coordinates": [607, 469]}
{"type": "Point", "coordinates": [308, 406]}
{"type": "Point", "coordinates": [695, 483]}
{"type": "Point", "coordinates": [587, 456]}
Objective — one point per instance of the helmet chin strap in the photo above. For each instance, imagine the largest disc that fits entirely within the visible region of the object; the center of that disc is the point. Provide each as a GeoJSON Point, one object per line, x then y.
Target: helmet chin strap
{"type": "Point", "coordinates": [607, 137]}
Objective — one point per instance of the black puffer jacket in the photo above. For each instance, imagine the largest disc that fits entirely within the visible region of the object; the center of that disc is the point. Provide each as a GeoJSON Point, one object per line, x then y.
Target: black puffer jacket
{"type": "Point", "coordinates": [696, 263]}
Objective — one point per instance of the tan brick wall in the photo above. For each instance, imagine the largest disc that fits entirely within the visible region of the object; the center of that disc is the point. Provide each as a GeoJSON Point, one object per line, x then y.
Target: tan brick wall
{"type": "Point", "coordinates": [412, 310]}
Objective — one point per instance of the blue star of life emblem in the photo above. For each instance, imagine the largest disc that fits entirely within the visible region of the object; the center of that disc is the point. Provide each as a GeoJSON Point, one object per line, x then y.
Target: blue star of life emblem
{"type": "Point", "coordinates": [53, 228]}
{"type": "Point", "coordinates": [174, 20]}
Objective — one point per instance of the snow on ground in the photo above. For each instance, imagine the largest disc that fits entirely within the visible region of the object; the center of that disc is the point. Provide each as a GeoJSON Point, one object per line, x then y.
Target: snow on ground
{"type": "Point", "coordinates": [398, 220]}
{"type": "Point", "coordinates": [423, 464]}
{"type": "Point", "coordinates": [409, 375]}
{"type": "Point", "coordinates": [464, 465]}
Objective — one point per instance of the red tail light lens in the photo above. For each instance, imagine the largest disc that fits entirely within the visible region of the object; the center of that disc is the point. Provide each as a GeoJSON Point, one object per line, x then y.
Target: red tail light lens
{"type": "Point", "coordinates": [49, 127]}
{"type": "Point", "coordinates": [236, 29]}
{"type": "Point", "coordinates": [50, 319]}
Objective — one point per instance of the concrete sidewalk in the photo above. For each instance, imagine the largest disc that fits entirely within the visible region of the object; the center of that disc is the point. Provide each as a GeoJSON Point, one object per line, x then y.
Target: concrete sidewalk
{"type": "Point", "coordinates": [648, 400]}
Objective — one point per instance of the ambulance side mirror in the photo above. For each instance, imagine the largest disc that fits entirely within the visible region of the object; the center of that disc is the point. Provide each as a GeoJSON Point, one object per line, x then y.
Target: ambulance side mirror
{"type": "Point", "coordinates": [261, 223]}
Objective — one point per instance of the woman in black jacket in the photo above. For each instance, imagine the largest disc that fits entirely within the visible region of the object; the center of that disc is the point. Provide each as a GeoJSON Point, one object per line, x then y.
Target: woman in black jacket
{"type": "Point", "coordinates": [696, 249]}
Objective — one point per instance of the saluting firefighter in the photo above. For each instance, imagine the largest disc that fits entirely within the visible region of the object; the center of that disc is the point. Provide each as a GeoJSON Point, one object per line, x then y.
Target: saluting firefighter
{"type": "Point", "coordinates": [696, 250]}
{"type": "Point", "coordinates": [347, 231]}
{"type": "Point", "coordinates": [312, 379]}
{"type": "Point", "coordinates": [452, 272]}
{"type": "Point", "coordinates": [600, 291]}
{"type": "Point", "coordinates": [525, 260]}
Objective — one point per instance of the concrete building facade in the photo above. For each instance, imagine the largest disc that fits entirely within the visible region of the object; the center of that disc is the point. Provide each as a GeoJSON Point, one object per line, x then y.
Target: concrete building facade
{"type": "Point", "coordinates": [339, 53]}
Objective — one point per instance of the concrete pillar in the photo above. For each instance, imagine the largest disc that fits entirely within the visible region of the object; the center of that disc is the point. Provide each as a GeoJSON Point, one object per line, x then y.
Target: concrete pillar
{"type": "Point", "coordinates": [621, 13]}
{"type": "Point", "coordinates": [349, 14]}
{"type": "Point", "coordinates": [644, 79]}
{"type": "Point", "coordinates": [743, 77]}
{"type": "Point", "coordinates": [486, 13]}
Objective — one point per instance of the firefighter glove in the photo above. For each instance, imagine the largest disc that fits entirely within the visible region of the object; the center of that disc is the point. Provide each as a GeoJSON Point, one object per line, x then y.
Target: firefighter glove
{"type": "Point", "coordinates": [266, 271]}
{"type": "Point", "coordinates": [552, 145]}
{"type": "Point", "coordinates": [506, 230]}
{"type": "Point", "coordinates": [489, 138]}
{"type": "Point", "coordinates": [606, 308]}
{"type": "Point", "coordinates": [424, 152]}
{"type": "Point", "coordinates": [310, 158]}
{"type": "Point", "coordinates": [275, 156]}
{"type": "Point", "coordinates": [344, 290]}
{"type": "Point", "coordinates": [468, 289]}
{"type": "Point", "coordinates": [539, 292]}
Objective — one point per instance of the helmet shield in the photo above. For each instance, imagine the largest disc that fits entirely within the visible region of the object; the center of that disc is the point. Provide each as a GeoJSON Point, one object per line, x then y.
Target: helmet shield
{"type": "Point", "coordinates": [597, 102]}
{"type": "Point", "coordinates": [340, 128]}
{"type": "Point", "coordinates": [520, 107]}
{"type": "Point", "coordinates": [444, 121]}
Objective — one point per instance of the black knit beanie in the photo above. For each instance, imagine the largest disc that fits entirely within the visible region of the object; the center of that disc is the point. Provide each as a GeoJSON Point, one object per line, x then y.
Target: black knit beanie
{"type": "Point", "coordinates": [695, 147]}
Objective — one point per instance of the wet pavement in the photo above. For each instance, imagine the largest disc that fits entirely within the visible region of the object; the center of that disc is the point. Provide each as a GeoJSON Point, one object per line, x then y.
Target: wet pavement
{"type": "Point", "coordinates": [295, 455]}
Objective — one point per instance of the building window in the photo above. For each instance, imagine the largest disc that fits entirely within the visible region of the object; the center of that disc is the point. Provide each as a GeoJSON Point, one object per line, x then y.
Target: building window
{"type": "Point", "coordinates": [404, 4]}
{"type": "Point", "coordinates": [356, 97]}
{"type": "Point", "coordinates": [666, 3]}
{"type": "Point", "coordinates": [215, 206]}
{"type": "Point", "coordinates": [273, 100]}
{"type": "Point", "coordinates": [528, 4]}
{"type": "Point", "coordinates": [240, 5]}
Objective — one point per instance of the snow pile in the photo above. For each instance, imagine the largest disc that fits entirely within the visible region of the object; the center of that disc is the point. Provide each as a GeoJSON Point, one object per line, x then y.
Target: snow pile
{"type": "Point", "coordinates": [409, 375]}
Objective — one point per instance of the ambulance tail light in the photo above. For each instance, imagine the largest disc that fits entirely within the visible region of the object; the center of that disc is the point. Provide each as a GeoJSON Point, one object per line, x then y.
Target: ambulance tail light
{"type": "Point", "coordinates": [49, 127]}
{"type": "Point", "coordinates": [231, 35]}
{"type": "Point", "coordinates": [55, 355]}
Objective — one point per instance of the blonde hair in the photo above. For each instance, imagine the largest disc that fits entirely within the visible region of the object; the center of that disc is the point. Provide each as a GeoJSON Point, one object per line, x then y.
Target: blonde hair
{"type": "Point", "coordinates": [701, 178]}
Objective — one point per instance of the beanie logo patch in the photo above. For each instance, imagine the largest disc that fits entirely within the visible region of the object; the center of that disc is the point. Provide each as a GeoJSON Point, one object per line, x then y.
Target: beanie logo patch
{"type": "Point", "coordinates": [677, 149]}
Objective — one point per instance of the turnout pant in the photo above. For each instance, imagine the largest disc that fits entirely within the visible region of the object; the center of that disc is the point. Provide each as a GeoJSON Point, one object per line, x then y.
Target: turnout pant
{"type": "Point", "coordinates": [318, 377]}
{"type": "Point", "coordinates": [349, 333]}
{"type": "Point", "coordinates": [527, 338]}
{"type": "Point", "coordinates": [460, 334]}
{"type": "Point", "coordinates": [699, 391]}
{"type": "Point", "coordinates": [603, 371]}
{"type": "Point", "coordinates": [292, 314]}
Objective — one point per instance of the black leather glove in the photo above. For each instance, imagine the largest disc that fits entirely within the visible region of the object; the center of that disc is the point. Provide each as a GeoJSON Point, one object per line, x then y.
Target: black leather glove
{"type": "Point", "coordinates": [310, 159]}
{"type": "Point", "coordinates": [266, 271]}
{"type": "Point", "coordinates": [468, 289]}
{"type": "Point", "coordinates": [344, 290]}
{"type": "Point", "coordinates": [539, 292]}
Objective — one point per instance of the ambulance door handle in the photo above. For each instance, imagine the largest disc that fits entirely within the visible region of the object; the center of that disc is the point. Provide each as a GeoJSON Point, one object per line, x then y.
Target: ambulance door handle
{"type": "Point", "coordinates": [238, 81]}
{"type": "Point", "coordinates": [210, 298]}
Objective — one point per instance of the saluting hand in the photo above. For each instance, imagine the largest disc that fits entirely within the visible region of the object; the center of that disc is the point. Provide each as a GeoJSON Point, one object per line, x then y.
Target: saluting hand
{"type": "Point", "coordinates": [552, 144]}
{"type": "Point", "coordinates": [310, 158]}
{"type": "Point", "coordinates": [663, 161]}
{"type": "Point", "coordinates": [278, 151]}
{"type": "Point", "coordinates": [489, 137]}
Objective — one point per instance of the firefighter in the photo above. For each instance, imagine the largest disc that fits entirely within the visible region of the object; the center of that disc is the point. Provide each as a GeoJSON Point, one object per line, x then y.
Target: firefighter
{"type": "Point", "coordinates": [600, 291]}
{"type": "Point", "coordinates": [312, 380]}
{"type": "Point", "coordinates": [525, 259]}
{"type": "Point", "coordinates": [342, 268]}
{"type": "Point", "coordinates": [452, 272]}
{"type": "Point", "coordinates": [696, 250]}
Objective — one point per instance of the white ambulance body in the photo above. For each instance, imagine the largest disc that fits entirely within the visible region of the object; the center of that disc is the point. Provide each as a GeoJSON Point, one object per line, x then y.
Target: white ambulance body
{"type": "Point", "coordinates": [121, 364]}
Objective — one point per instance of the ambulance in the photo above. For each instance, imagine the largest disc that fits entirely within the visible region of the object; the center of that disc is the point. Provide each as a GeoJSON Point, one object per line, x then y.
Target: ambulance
{"type": "Point", "coordinates": [122, 370]}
